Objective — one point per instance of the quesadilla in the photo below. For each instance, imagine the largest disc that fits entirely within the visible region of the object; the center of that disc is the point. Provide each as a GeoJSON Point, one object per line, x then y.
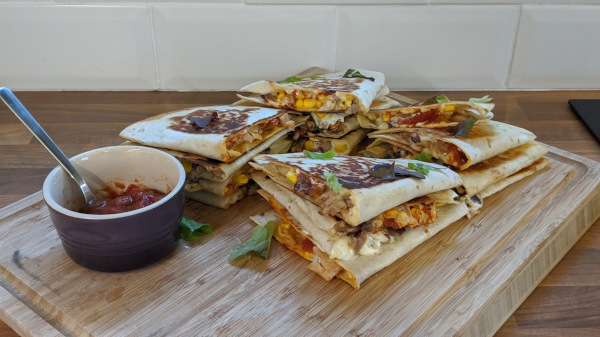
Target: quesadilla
{"type": "Point", "coordinates": [349, 92]}
{"type": "Point", "coordinates": [223, 133]}
{"type": "Point", "coordinates": [521, 174]}
{"type": "Point", "coordinates": [350, 187]}
{"type": "Point", "coordinates": [486, 140]}
{"type": "Point", "coordinates": [425, 115]}
{"type": "Point", "coordinates": [338, 249]}
{"type": "Point", "coordinates": [490, 171]}
{"type": "Point", "coordinates": [216, 200]}
{"type": "Point", "coordinates": [341, 146]}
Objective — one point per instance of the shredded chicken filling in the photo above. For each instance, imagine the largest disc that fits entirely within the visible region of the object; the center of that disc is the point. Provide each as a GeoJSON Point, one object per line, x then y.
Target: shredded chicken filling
{"type": "Point", "coordinates": [300, 100]}
{"type": "Point", "coordinates": [242, 141]}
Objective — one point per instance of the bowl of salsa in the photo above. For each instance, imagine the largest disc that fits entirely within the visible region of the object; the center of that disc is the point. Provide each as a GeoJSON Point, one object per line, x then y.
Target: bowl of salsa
{"type": "Point", "coordinates": [134, 220]}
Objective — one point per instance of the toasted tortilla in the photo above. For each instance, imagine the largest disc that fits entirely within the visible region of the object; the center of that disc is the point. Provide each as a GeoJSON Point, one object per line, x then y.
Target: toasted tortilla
{"type": "Point", "coordinates": [521, 174]}
{"type": "Point", "coordinates": [216, 200]}
{"type": "Point", "coordinates": [362, 196]}
{"type": "Point", "coordinates": [231, 132]}
{"type": "Point", "coordinates": [437, 115]}
{"type": "Point", "coordinates": [490, 171]}
{"type": "Point", "coordinates": [328, 93]}
{"type": "Point", "coordinates": [486, 140]}
{"type": "Point", "coordinates": [341, 146]}
{"type": "Point", "coordinates": [300, 217]}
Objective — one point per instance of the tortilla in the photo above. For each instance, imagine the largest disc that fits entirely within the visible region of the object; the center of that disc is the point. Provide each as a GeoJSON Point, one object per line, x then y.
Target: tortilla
{"type": "Point", "coordinates": [328, 93]}
{"type": "Point", "coordinates": [229, 133]}
{"type": "Point", "coordinates": [483, 174]}
{"type": "Point", "coordinates": [361, 196]}
{"type": "Point", "coordinates": [436, 115]}
{"type": "Point", "coordinates": [301, 221]}
{"type": "Point", "coordinates": [521, 174]}
{"type": "Point", "coordinates": [216, 200]}
{"type": "Point", "coordinates": [486, 140]}
{"type": "Point", "coordinates": [341, 146]}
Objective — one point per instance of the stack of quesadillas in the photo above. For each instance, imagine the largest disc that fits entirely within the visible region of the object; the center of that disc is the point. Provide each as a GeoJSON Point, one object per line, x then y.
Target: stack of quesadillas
{"type": "Point", "coordinates": [333, 102]}
{"type": "Point", "coordinates": [353, 216]}
{"type": "Point", "coordinates": [215, 144]}
{"type": "Point", "coordinates": [488, 155]}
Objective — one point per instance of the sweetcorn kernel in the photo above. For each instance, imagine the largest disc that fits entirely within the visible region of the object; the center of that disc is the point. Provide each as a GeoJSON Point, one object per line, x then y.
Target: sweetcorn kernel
{"type": "Point", "coordinates": [309, 103]}
{"type": "Point", "coordinates": [291, 175]}
{"type": "Point", "coordinates": [300, 95]}
{"type": "Point", "coordinates": [309, 145]}
{"type": "Point", "coordinates": [300, 104]}
{"type": "Point", "coordinates": [340, 148]}
{"type": "Point", "coordinates": [322, 98]}
{"type": "Point", "coordinates": [416, 212]}
{"type": "Point", "coordinates": [390, 213]}
{"type": "Point", "coordinates": [242, 179]}
{"type": "Point", "coordinates": [449, 107]}
{"type": "Point", "coordinates": [386, 117]}
{"type": "Point", "coordinates": [280, 94]}
{"type": "Point", "coordinates": [321, 114]}
{"type": "Point", "coordinates": [285, 225]}
{"type": "Point", "coordinates": [187, 166]}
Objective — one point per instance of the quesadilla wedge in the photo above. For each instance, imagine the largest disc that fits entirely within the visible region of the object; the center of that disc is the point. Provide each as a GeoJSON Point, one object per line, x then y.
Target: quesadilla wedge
{"type": "Point", "coordinates": [341, 146]}
{"type": "Point", "coordinates": [216, 200]}
{"type": "Point", "coordinates": [350, 92]}
{"type": "Point", "coordinates": [337, 249]}
{"type": "Point", "coordinates": [521, 174]}
{"type": "Point", "coordinates": [486, 140]}
{"type": "Point", "coordinates": [434, 115]}
{"type": "Point", "coordinates": [490, 171]}
{"type": "Point", "coordinates": [223, 133]}
{"type": "Point", "coordinates": [342, 186]}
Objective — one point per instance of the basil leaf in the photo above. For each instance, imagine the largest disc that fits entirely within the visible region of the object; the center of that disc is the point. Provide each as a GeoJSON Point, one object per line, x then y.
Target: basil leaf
{"type": "Point", "coordinates": [424, 156]}
{"type": "Point", "coordinates": [383, 171]}
{"type": "Point", "coordinates": [318, 155]}
{"type": "Point", "coordinates": [201, 122]}
{"type": "Point", "coordinates": [293, 79]}
{"type": "Point", "coordinates": [463, 129]}
{"type": "Point", "coordinates": [436, 100]}
{"type": "Point", "coordinates": [191, 230]}
{"type": "Point", "coordinates": [352, 73]}
{"type": "Point", "coordinates": [258, 245]}
{"type": "Point", "coordinates": [423, 168]}
{"type": "Point", "coordinates": [401, 171]}
{"type": "Point", "coordinates": [331, 181]}
{"type": "Point", "coordinates": [484, 99]}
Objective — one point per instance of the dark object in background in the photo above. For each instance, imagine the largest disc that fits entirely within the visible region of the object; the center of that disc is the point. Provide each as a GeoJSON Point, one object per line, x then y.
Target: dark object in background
{"type": "Point", "coordinates": [588, 111]}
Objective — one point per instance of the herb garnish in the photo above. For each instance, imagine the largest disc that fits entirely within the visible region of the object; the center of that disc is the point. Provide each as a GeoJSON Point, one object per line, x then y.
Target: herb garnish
{"type": "Point", "coordinates": [191, 230]}
{"type": "Point", "coordinates": [318, 155]}
{"type": "Point", "coordinates": [463, 129]}
{"type": "Point", "coordinates": [391, 171]}
{"type": "Point", "coordinates": [436, 100]}
{"type": "Point", "coordinates": [258, 245]}
{"type": "Point", "coordinates": [202, 122]}
{"type": "Point", "coordinates": [484, 99]}
{"type": "Point", "coordinates": [332, 181]}
{"type": "Point", "coordinates": [293, 79]}
{"type": "Point", "coordinates": [352, 73]}
{"type": "Point", "coordinates": [424, 156]}
{"type": "Point", "coordinates": [423, 168]}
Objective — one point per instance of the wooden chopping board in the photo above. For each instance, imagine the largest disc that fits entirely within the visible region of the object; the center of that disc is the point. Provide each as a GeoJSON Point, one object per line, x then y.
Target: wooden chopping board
{"type": "Point", "coordinates": [466, 280]}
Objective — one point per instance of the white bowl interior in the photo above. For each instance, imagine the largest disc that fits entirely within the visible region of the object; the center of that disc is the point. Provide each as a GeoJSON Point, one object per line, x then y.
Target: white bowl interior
{"type": "Point", "coordinates": [127, 165]}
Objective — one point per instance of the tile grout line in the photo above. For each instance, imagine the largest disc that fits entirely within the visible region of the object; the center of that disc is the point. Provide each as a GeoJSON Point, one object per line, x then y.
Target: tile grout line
{"type": "Point", "coordinates": [157, 84]}
{"type": "Point", "coordinates": [511, 60]}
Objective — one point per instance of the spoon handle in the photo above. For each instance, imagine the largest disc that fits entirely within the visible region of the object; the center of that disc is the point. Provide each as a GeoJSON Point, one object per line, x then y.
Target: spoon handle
{"type": "Point", "coordinates": [26, 118]}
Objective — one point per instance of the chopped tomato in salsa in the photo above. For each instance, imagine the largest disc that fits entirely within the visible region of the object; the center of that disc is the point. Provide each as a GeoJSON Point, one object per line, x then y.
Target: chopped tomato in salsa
{"type": "Point", "coordinates": [134, 197]}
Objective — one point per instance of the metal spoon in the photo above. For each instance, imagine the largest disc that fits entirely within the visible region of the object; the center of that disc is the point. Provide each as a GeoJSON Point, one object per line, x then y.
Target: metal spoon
{"type": "Point", "coordinates": [26, 118]}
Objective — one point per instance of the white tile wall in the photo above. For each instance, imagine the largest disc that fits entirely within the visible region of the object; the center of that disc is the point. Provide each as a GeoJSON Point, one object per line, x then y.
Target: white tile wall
{"type": "Point", "coordinates": [76, 47]}
{"type": "Point", "coordinates": [429, 47]}
{"type": "Point", "coordinates": [224, 44]}
{"type": "Point", "coordinates": [226, 47]}
{"type": "Point", "coordinates": [557, 47]}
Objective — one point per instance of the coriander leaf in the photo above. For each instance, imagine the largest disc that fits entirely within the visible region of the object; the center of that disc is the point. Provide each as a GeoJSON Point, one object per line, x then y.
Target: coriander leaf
{"type": "Point", "coordinates": [424, 156]}
{"type": "Point", "coordinates": [318, 155]}
{"type": "Point", "coordinates": [293, 79]}
{"type": "Point", "coordinates": [258, 245]}
{"type": "Point", "coordinates": [383, 171]}
{"type": "Point", "coordinates": [436, 100]}
{"type": "Point", "coordinates": [352, 73]}
{"type": "Point", "coordinates": [191, 230]}
{"type": "Point", "coordinates": [484, 99]}
{"type": "Point", "coordinates": [423, 168]}
{"type": "Point", "coordinates": [332, 182]}
{"type": "Point", "coordinates": [463, 129]}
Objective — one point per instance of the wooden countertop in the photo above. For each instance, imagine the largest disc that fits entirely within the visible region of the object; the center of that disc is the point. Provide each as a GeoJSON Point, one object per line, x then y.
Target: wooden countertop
{"type": "Point", "coordinates": [564, 304]}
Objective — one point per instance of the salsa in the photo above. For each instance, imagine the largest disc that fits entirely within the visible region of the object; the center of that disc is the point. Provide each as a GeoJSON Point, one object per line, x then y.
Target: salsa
{"type": "Point", "coordinates": [134, 197]}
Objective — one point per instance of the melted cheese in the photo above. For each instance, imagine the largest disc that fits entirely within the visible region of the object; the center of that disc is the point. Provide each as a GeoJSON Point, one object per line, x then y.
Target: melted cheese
{"type": "Point", "coordinates": [328, 120]}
